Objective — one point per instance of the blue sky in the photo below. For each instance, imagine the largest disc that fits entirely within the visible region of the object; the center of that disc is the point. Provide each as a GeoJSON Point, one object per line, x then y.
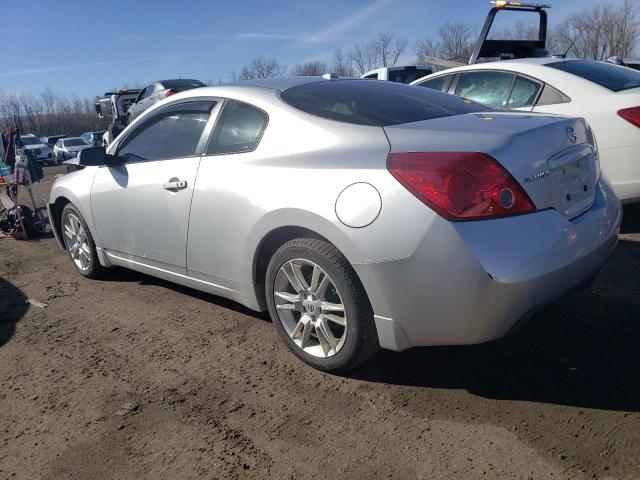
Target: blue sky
{"type": "Point", "coordinates": [86, 47]}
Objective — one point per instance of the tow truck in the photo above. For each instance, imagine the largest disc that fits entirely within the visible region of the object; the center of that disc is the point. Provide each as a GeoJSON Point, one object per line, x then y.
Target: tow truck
{"type": "Point", "coordinates": [114, 105]}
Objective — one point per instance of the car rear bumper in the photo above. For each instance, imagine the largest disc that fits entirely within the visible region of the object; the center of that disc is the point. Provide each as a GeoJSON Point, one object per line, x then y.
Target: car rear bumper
{"type": "Point", "coordinates": [471, 282]}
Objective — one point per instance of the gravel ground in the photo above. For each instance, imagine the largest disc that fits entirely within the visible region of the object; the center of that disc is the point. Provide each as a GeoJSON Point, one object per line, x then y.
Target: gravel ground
{"type": "Point", "coordinates": [133, 377]}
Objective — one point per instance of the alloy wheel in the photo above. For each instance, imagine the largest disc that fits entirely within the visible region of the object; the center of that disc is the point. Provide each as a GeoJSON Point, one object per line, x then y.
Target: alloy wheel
{"type": "Point", "coordinates": [310, 308]}
{"type": "Point", "coordinates": [75, 238]}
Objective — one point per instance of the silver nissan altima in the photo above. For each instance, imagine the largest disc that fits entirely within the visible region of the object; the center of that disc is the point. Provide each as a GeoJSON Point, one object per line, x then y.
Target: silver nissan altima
{"type": "Point", "coordinates": [361, 214]}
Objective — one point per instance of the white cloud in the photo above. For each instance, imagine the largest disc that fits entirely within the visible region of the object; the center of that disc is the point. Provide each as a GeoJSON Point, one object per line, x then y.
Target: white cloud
{"type": "Point", "coordinates": [64, 68]}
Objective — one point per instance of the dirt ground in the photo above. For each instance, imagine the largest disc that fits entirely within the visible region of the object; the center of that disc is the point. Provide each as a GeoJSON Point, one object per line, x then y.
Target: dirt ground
{"type": "Point", "coordinates": [133, 377]}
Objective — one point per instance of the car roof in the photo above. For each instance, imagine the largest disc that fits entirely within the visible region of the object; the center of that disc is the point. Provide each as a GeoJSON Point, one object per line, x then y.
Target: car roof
{"type": "Point", "coordinates": [536, 68]}
{"type": "Point", "coordinates": [280, 83]}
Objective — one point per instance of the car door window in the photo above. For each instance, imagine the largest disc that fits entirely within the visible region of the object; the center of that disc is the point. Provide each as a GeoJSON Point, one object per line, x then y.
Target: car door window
{"type": "Point", "coordinates": [490, 88]}
{"type": "Point", "coordinates": [167, 135]}
{"type": "Point", "coordinates": [524, 93]}
{"type": "Point", "coordinates": [239, 129]}
{"type": "Point", "coordinates": [438, 83]}
{"type": "Point", "coordinates": [150, 90]}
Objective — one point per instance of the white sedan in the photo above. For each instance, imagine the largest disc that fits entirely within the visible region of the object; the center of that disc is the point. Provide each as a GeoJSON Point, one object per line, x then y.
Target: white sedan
{"type": "Point", "coordinates": [606, 95]}
{"type": "Point", "coordinates": [67, 148]}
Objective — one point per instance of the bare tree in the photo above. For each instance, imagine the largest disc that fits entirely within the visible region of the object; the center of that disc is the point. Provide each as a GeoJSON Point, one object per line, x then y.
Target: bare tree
{"type": "Point", "coordinates": [388, 48]}
{"type": "Point", "coordinates": [363, 57]}
{"type": "Point", "coordinates": [456, 40]}
{"type": "Point", "coordinates": [310, 69]}
{"type": "Point", "coordinates": [601, 31]}
{"type": "Point", "coordinates": [48, 113]}
{"type": "Point", "coordinates": [261, 68]}
{"type": "Point", "coordinates": [426, 47]}
{"type": "Point", "coordinates": [342, 64]}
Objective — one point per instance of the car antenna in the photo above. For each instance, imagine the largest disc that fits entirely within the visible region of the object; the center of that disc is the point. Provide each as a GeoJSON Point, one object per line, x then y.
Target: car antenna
{"type": "Point", "coordinates": [566, 52]}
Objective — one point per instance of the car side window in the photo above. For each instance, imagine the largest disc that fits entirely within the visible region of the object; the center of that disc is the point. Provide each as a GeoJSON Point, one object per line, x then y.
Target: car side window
{"type": "Point", "coordinates": [171, 134]}
{"type": "Point", "coordinates": [440, 83]}
{"type": "Point", "coordinates": [58, 143]}
{"type": "Point", "coordinates": [150, 90]}
{"type": "Point", "coordinates": [551, 96]}
{"type": "Point", "coordinates": [141, 95]}
{"type": "Point", "coordinates": [490, 88]}
{"type": "Point", "coordinates": [238, 130]}
{"type": "Point", "coordinates": [524, 93]}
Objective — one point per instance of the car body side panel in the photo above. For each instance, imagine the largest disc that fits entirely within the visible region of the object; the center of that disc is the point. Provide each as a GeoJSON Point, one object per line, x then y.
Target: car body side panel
{"type": "Point", "coordinates": [294, 178]}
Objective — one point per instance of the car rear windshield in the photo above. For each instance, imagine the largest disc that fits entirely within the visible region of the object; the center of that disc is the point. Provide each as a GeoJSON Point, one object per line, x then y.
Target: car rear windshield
{"type": "Point", "coordinates": [181, 84]}
{"type": "Point", "coordinates": [30, 141]}
{"type": "Point", "coordinates": [379, 103]}
{"type": "Point", "coordinates": [607, 75]}
{"type": "Point", "coordinates": [74, 142]}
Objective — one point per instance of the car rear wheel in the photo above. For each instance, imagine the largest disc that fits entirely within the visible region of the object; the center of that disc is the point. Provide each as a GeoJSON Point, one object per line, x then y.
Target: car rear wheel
{"type": "Point", "coordinates": [79, 243]}
{"type": "Point", "coordinates": [319, 306]}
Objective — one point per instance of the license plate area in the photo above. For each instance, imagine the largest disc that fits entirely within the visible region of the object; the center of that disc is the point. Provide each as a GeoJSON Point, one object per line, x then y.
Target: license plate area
{"type": "Point", "coordinates": [573, 173]}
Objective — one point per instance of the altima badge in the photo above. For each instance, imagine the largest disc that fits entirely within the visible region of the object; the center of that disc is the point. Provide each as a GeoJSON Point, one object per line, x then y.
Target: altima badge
{"type": "Point", "coordinates": [537, 176]}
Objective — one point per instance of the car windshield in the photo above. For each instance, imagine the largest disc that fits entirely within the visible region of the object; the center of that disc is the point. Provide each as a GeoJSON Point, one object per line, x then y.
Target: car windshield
{"type": "Point", "coordinates": [364, 102]}
{"type": "Point", "coordinates": [607, 75]}
{"type": "Point", "coordinates": [74, 142]}
{"type": "Point", "coordinates": [30, 141]}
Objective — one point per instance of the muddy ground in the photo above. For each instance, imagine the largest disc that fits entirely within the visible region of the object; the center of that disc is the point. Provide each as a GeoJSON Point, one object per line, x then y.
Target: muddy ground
{"type": "Point", "coordinates": [133, 377]}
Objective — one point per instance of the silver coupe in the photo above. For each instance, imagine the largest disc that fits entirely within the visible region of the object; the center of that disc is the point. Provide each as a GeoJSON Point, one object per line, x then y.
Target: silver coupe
{"type": "Point", "coordinates": [361, 214]}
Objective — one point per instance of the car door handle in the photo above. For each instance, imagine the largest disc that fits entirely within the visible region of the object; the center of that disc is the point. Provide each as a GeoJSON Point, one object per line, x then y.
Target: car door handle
{"type": "Point", "coordinates": [175, 184]}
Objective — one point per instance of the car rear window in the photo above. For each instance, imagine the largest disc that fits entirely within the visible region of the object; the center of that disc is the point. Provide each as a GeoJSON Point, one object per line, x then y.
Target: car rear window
{"type": "Point", "coordinates": [364, 102]}
{"type": "Point", "coordinates": [607, 75]}
{"type": "Point", "coordinates": [182, 84]}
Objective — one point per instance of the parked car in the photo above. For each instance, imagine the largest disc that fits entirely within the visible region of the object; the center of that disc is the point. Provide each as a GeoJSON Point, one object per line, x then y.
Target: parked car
{"type": "Point", "coordinates": [93, 138]}
{"type": "Point", "coordinates": [67, 148]}
{"type": "Point", "coordinates": [405, 74]}
{"type": "Point", "coordinates": [51, 140]}
{"type": "Point", "coordinates": [41, 152]}
{"type": "Point", "coordinates": [157, 91]}
{"type": "Point", "coordinates": [361, 214]}
{"type": "Point", "coordinates": [606, 95]}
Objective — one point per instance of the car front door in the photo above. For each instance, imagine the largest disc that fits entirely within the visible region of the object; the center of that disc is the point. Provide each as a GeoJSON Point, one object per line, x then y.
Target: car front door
{"type": "Point", "coordinates": [141, 206]}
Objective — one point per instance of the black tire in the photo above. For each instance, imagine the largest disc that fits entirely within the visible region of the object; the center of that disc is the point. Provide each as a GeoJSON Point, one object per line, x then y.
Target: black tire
{"type": "Point", "coordinates": [41, 221]}
{"type": "Point", "coordinates": [361, 340]}
{"type": "Point", "coordinates": [94, 270]}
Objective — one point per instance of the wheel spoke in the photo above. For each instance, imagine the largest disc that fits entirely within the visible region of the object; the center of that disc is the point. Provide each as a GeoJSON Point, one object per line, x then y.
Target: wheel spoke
{"type": "Point", "coordinates": [297, 273]}
{"type": "Point", "coordinates": [336, 319]}
{"type": "Point", "coordinates": [68, 231]}
{"type": "Point", "coordinates": [315, 279]}
{"type": "Point", "coordinates": [327, 341]}
{"type": "Point", "coordinates": [332, 307]}
{"type": "Point", "coordinates": [293, 300]}
{"type": "Point", "coordinates": [324, 283]}
{"type": "Point", "coordinates": [289, 272]}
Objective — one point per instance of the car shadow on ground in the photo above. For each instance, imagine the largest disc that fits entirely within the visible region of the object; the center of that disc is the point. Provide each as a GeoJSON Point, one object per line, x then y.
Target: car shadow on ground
{"type": "Point", "coordinates": [583, 350]}
{"type": "Point", "coordinates": [118, 274]}
{"type": "Point", "coordinates": [13, 306]}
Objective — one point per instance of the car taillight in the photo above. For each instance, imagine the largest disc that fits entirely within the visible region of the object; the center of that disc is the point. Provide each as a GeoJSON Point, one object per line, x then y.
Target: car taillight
{"type": "Point", "coordinates": [631, 115]}
{"type": "Point", "coordinates": [460, 185]}
{"type": "Point", "coordinates": [591, 140]}
{"type": "Point", "coordinates": [169, 93]}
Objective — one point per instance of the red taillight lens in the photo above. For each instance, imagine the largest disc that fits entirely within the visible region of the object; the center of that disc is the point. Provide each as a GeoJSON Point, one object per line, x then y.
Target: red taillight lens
{"type": "Point", "coordinates": [169, 93]}
{"type": "Point", "coordinates": [460, 185]}
{"type": "Point", "coordinates": [631, 115]}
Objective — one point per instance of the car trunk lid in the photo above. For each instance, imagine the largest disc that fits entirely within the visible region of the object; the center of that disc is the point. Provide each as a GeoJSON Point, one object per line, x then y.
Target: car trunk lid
{"type": "Point", "coordinates": [548, 156]}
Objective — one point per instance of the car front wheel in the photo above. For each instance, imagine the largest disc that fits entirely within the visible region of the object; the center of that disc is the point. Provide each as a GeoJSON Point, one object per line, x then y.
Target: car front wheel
{"type": "Point", "coordinates": [79, 243]}
{"type": "Point", "coordinates": [319, 306]}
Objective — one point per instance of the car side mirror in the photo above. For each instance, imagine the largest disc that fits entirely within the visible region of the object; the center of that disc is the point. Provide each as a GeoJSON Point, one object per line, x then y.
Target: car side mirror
{"type": "Point", "coordinates": [92, 157]}
{"type": "Point", "coordinates": [96, 157]}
